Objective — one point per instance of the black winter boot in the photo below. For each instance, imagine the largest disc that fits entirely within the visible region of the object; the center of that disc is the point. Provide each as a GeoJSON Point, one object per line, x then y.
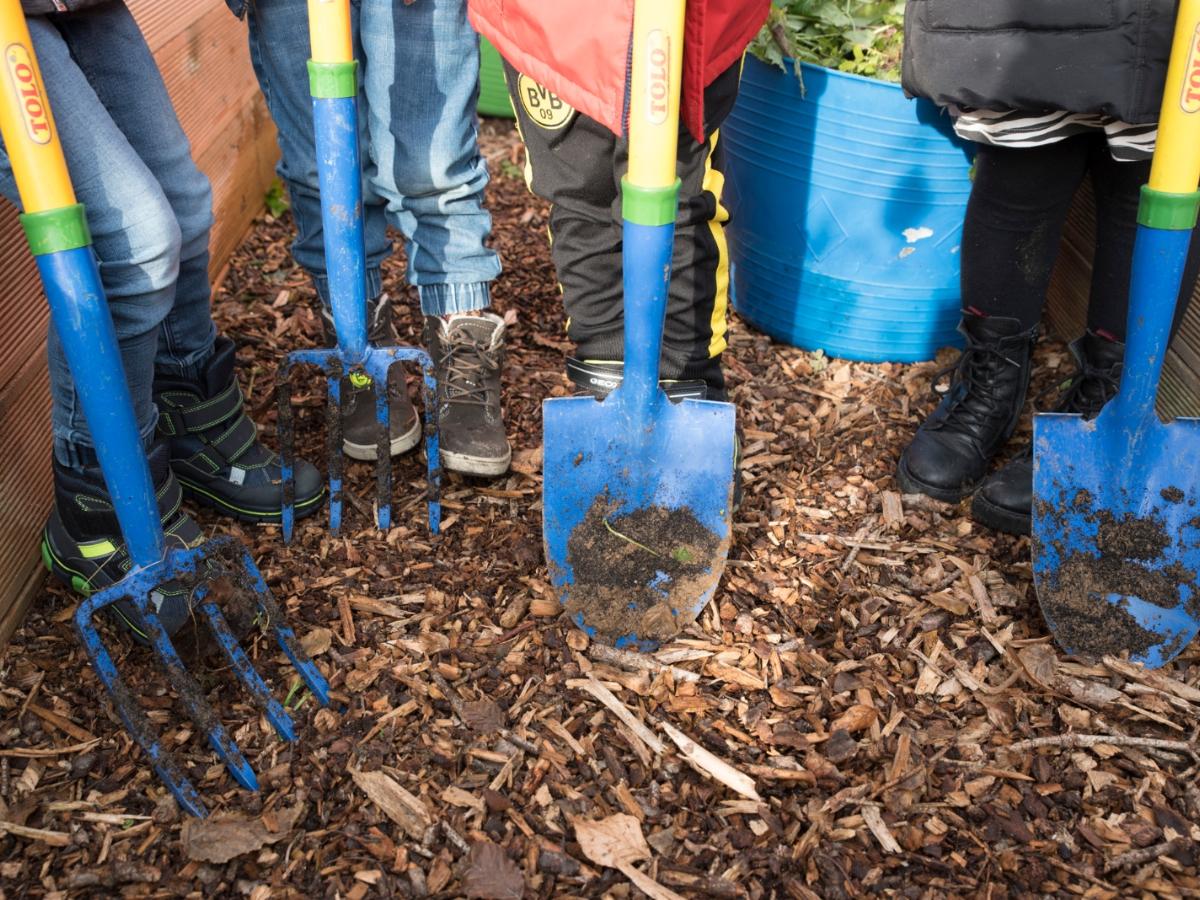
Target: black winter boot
{"type": "Point", "coordinates": [950, 454]}
{"type": "Point", "coordinates": [358, 393]}
{"type": "Point", "coordinates": [468, 354]}
{"type": "Point", "coordinates": [82, 544]}
{"type": "Point", "coordinates": [1005, 499]}
{"type": "Point", "coordinates": [215, 451]}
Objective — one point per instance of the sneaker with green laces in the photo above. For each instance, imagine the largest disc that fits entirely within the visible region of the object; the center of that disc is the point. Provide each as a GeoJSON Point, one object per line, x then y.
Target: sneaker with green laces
{"type": "Point", "coordinates": [214, 447]}
{"type": "Point", "coordinates": [82, 544]}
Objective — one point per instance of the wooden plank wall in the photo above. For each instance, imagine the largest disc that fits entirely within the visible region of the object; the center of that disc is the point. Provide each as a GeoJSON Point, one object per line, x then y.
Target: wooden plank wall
{"type": "Point", "coordinates": [201, 49]}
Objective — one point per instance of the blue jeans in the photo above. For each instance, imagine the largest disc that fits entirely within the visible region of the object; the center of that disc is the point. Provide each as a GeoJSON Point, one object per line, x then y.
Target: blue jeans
{"type": "Point", "coordinates": [148, 207]}
{"type": "Point", "coordinates": [423, 173]}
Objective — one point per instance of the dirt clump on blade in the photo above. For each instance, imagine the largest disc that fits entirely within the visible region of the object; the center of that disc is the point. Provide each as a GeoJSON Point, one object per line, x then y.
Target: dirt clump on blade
{"type": "Point", "coordinates": [640, 572]}
{"type": "Point", "coordinates": [1131, 537]}
{"type": "Point", "coordinates": [1082, 616]}
{"type": "Point", "coordinates": [1086, 602]}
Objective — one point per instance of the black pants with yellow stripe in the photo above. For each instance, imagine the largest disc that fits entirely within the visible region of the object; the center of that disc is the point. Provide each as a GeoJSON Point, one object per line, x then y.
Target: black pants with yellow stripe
{"type": "Point", "coordinates": [577, 164]}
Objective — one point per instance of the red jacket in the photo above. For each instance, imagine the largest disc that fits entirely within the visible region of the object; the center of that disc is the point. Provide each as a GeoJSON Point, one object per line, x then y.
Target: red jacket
{"type": "Point", "coordinates": [579, 48]}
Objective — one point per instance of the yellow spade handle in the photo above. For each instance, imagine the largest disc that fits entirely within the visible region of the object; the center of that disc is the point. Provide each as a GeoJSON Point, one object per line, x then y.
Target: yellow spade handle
{"type": "Point", "coordinates": [30, 135]}
{"type": "Point", "coordinates": [655, 91]}
{"type": "Point", "coordinates": [329, 31]}
{"type": "Point", "coordinates": [1176, 167]}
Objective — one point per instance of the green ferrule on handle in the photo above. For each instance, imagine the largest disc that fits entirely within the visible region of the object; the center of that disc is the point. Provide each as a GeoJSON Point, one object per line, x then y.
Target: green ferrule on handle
{"type": "Point", "coordinates": [54, 230]}
{"type": "Point", "coordinates": [1168, 212]}
{"type": "Point", "coordinates": [330, 81]}
{"type": "Point", "coordinates": [649, 206]}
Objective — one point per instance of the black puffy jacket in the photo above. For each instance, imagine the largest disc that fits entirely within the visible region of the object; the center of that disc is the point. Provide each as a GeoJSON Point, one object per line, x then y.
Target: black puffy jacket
{"type": "Point", "coordinates": [48, 7]}
{"type": "Point", "coordinates": [1082, 56]}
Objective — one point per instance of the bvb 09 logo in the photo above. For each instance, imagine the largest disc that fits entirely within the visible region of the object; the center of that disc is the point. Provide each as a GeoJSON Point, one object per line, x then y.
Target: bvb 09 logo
{"type": "Point", "coordinates": [542, 105]}
{"type": "Point", "coordinates": [30, 100]}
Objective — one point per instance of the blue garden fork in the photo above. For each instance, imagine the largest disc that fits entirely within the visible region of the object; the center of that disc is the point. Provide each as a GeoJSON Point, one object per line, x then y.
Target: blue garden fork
{"type": "Point", "coordinates": [58, 236]}
{"type": "Point", "coordinates": [333, 83]}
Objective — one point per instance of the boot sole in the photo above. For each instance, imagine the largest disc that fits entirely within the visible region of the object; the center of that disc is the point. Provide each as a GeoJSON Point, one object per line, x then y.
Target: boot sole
{"type": "Point", "coordinates": [911, 485]}
{"type": "Point", "coordinates": [303, 508]}
{"type": "Point", "coordinates": [987, 513]}
{"type": "Point", "coordinates": [399, 445]}
{"type": "Point", "coordinates": [466, 464]}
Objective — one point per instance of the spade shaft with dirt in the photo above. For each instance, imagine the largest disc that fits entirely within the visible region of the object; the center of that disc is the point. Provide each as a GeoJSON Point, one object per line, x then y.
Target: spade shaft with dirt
{"type": "Point", "coordinates": [637, 517]}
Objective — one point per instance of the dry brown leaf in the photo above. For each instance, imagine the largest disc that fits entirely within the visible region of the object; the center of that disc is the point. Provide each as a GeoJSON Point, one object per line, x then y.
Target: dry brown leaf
{"type": "Point", "coordinates": [491, 875]}
{"type": "Point", "coordinates": [221, 838]}
{"type": "Point", "coordinates": [1041, 662]}
{"type": "Point", "coordinates": [617, 842]}
{"type": "Point", "coordinates": [612, 842]}
{"type": "Point", "coordinates": [483, 715]}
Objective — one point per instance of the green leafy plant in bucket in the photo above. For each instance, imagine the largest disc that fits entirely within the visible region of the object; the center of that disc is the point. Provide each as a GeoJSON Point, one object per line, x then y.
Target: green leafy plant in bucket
{"type": "Point", "coordinates": [862, 37]}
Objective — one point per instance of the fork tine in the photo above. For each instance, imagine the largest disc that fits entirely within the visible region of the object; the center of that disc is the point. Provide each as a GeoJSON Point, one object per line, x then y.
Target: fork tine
{"type": "Point", "coordinates": [286, 638]}
{"type": "Point", "coordinates": [383, 455]}
{"type": "Point", "coordinates": [131, 714]}
{"type": "Point", "coordinates": [193, 698]}
{"type": "Point", "coordinates": [333, 426]}
{"type": "Point", "coordinates": [287, 449]}
{"type": "Point", "coordinates": [433, 459]}
{"type": "Point", "coordinates": [245, 670]}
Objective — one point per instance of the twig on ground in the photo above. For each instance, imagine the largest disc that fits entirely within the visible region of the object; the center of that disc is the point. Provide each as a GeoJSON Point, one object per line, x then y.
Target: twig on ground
{"type": "Point", "coordinates": [1083, 741]}
{"type": "Point", "coordinates": [1144, 854]}
{"type": "Point", "coordinates": [620, 710]}
{"type": "Point", "coordinates": [638, 662]}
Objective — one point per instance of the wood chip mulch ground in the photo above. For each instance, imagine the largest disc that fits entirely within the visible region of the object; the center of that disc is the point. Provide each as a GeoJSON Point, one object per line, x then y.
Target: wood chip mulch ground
{"type": "Point", "coordinates": [871, 705]}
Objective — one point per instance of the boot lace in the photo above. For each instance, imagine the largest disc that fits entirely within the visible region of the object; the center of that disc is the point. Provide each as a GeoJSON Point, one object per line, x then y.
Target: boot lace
{"type": "Point", "coordinates": [979, 375]}
{"type": "Point", "coordinates": [467, 365]}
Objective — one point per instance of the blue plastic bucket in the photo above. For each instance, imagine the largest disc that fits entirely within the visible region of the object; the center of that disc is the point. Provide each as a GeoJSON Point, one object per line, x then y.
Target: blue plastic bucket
{"type": "Point", "coordinates": [847, 205]}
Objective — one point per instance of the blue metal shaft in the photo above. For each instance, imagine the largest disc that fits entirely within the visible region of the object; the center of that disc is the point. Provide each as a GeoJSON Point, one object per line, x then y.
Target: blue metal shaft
{"type": "Point", "coordinates": [1159, 257]}
{"type": "Point", "coordinates": [80, 315]}
{"type": "Point", "coordinates": [339, 169]}
{"type": "Point", "coordinates": [646, 258]}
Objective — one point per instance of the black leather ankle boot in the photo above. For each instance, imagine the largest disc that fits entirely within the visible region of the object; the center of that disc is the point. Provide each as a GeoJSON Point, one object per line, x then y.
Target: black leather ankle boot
{"type": "Point", "coordinates": [949, 456]}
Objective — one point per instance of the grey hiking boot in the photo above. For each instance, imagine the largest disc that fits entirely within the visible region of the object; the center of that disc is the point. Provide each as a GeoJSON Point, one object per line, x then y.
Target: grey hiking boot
{"type": "Point", "coordinates": [358, 393]}
{"type": "Point", "coordinates": [468, 352]}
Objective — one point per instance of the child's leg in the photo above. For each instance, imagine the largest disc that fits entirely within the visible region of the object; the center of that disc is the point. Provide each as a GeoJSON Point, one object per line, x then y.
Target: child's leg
{"type": "Point", "coordinates": [214, 448]}
{"type": "Point", "coordinates": [1014, 222]}
{"type": "Point", "coordinates": [279, 50]}
{"type": "Point", "coordinates": [421, 78]}
{"type": "Point", "coordinates": [577, 164]}
{"type": "Point", "coordinates": [106, 44]}
{"type": "Point", "coordinates": [134, 232]}
{"type": "Point", "coordinates": [1117, 186]}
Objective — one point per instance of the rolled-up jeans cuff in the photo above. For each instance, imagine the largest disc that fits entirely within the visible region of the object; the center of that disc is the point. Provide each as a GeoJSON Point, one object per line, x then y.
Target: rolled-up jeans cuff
{"type": "Point", "coordinates": [444, 299]}
{"type": "Point", "coordinates": [374, 285]}
{"type": "Point", "coordinates": [74, 450]}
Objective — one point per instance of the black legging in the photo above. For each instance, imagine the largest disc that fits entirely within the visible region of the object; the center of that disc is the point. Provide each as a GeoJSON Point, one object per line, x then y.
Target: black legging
{"type": "Point", "coordinates": [1014, 223]}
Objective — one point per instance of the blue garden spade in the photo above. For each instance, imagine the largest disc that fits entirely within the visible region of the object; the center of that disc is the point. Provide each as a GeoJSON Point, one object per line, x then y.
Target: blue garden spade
{"type": "Point", "coordinates": [637, 517]}
{"type": "Point", "coordinates": [58, 236]}
{"type": "Point", "coordinates": [333, 82]}
{"type": "Point", "coordinates": [1116, 525]}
